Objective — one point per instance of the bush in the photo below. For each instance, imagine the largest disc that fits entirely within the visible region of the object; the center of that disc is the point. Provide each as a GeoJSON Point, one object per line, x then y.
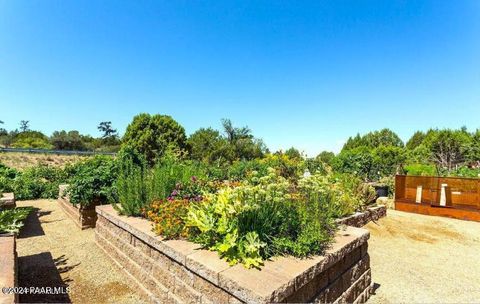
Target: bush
{"type": "Point", "coordinates": [131, 183]}
{"type": "Point", "coordinates": [36, 182]}
{"type": "Point", "coordinates": [41, 181]}
{"type": "Point", "coordinates": [31, 139]}
{"type": "Point", "coordinates": [260, 218]}
{"type": "Point", "coordinates": [7, 178]}
{"type": "Point", "coordinates": [93, 181]}
{"type": "Point", "coordinates": [138, 186]}
{"type": "Point", "coordinates": [421, 169]}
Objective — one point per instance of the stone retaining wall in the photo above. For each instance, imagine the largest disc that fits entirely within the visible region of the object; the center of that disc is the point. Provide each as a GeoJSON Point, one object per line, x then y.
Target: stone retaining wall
{"type": "Point", "coordinates": [8, 267]}
{"type": "Point", "coordinates": [84, 217]}
{"type": "Point", "coordinates": [179, 271]}
{"type": "Point", "coordinates": [360, 219]}
{"type": "Point", "coordinates": [7, 200]}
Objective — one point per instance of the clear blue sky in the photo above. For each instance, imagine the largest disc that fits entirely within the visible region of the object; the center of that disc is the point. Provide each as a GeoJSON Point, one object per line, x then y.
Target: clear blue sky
{"type": "Point", "coordinates": [299, 73]}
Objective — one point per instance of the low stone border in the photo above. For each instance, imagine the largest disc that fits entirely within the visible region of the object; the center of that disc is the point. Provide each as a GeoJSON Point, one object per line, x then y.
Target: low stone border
{"type": "Point", "coordinates": [7, 200]}
{"type": "Point", "coordinates": [8, 267]}
{"type": "Point", "coordinates": [360, 219]}
{"type": "Point", "coordinates": [179, 271]}
{"type": "Point", "coordinates": [84, 217]}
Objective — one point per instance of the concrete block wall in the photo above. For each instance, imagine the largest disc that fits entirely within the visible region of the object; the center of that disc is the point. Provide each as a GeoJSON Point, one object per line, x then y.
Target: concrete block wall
{"type": "Point", "coordinates": [179, 271]}
{"type": "Point", "coordinates": [84, 217]}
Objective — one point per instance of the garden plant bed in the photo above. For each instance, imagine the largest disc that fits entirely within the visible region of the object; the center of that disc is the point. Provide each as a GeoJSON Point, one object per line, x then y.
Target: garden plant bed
{"type": "Point", "coordinates": [180, 271]}
{"type": "Point", "coordinates": [84, 217]}
{"type": "Point", "coordinates": [7, 200]}
{"type": "Point", "coordinates": [8, 266]}
{"type": "Point", "coordinates": [360, 219]}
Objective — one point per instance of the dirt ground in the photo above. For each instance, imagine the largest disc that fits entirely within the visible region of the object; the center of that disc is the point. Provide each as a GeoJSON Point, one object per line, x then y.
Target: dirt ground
{"type": "Point", "coordinates": [424, 259]}
{"type": "Point", "coordinates": [54, 252]}
{"type": "Point", "coordinates": [22, 161]}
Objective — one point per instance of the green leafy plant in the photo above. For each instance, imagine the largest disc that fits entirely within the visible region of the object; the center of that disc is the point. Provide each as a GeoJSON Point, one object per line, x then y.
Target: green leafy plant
{"type": "Point", "coordinates": [258, 219]}
{"type": "Point", "coordinates": [93, 182]}
{"type": "Point", "coordinates": [11, 220]}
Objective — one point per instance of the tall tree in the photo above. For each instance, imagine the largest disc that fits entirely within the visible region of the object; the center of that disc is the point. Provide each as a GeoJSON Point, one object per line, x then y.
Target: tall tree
{"type": "Point", "coordinates": [244, 145]}
{"type": "Point", "coordinates": [106, 128]}
{"type": "Point", "coordinates": [153, 135]}
{"type": "Point", "coordinates": [71, 140]}
{"type": "Point", "coordinates": [209, 146]}
{"type": "Point", "coordinates": [416, 140]}
{"type": "Point", "coordinates": [384, 137]}
{"type": "Point", "coordinates": [24, 125]}
{"type": "Point", "coordinates": [3, 132]}
{"type": "Point", "coordinates": [293, 153]}
{"type": "Point", "coordinates": [448, 148]}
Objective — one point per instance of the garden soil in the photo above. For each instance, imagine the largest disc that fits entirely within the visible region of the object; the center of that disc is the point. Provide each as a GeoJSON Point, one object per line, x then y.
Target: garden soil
{"type": "Point", "coordinates": [424, 259]}
{"type": "Point", "coordinates": [54, 252]}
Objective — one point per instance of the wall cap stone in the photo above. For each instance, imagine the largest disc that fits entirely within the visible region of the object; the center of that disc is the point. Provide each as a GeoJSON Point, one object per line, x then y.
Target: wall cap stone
{"type": "Point", "coordinates": [8, 266]}
{"type": "Point", "coordinates": [359, 219]}
{"type": "Point", "coordinates": [278, 278]}
{"type": "Point", "coordinates": [7, 200]}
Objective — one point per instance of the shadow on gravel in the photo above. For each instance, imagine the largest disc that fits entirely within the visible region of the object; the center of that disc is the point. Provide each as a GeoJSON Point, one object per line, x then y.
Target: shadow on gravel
{"type": "Point", "coordinates": [32, 226]}
{"type": "Point", "coordinates": [42, 270]}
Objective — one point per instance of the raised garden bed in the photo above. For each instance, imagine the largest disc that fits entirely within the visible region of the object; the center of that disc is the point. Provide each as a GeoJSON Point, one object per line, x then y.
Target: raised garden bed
{"type": "Point", "coordinates": [360, 219]}
{"type": "Point", "coordinates": [84, 217]}
{"type": "Point", "coordinates": [180, 271]}
{"type": "Point", "coordinates": [7, 200]}
{"type": "Point", "coordinates": [8, 267]}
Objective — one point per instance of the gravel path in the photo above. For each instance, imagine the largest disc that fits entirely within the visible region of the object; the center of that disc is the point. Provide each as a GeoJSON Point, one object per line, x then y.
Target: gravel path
{"type": "Point", "coordinates": [53, 251]}
{"type": "Point", "coordinates": [424, 259]}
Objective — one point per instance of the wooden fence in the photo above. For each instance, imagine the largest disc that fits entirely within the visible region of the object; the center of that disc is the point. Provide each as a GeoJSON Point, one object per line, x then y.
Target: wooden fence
{"type": "Point", "coordinates": [424, 194]}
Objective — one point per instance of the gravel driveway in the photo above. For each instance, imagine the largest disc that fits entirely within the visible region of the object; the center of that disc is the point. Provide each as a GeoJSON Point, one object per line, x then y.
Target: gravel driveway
{"type": "Point", "coordinates": [424, 259]}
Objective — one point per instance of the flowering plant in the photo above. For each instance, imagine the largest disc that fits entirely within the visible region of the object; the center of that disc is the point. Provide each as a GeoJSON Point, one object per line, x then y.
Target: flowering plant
{"type": "Point", "coordinates": [168, 217]}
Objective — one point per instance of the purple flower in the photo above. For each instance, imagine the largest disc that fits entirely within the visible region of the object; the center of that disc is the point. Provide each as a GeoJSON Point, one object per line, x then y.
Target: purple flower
{"type": "Point", "coordinates": [194, 178]}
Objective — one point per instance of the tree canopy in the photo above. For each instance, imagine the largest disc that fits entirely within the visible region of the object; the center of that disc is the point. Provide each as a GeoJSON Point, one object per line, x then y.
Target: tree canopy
{"type": "Point", "coordinates": [153, 135]}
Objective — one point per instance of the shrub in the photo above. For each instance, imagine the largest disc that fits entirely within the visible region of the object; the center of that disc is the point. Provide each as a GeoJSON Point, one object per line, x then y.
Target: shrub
{"type": "Point", "coordinates": [258, 219]}
{"type": "Point", "coordinates": [167, 173]}
{"type": "Point", "coordinates": [41, 181]}
{"type": "Point", "coordinates": [36, 182]}
{"type": "Point", "coordinates": [131, 183]}
{"type": "Point", "coordinates": [421, 169]}
{"type": "Point", "coordinates": [31, 139]}
{"type": "Point", "coordinates": [93, 181]}
{"type": "Point", "coordinates": [138, 186]}
{"type": "Point", "coordinates": [7, 178]}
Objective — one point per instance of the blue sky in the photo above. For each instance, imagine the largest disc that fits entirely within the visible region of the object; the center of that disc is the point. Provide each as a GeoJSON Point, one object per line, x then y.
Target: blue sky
{"type": "Point", "coordinates": [299, 73]}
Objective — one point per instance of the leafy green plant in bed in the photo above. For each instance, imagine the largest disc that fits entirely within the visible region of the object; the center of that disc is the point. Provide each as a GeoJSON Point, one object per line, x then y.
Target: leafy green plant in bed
{"type": "Point", "coordinates": [93, 181]}
{"type": "Point", "coordinates": [259, 219]}
{"type": "Point", "coordinates": [11, 220]}
{"type": "Point", "coordinates": [138, 185]}
{"type": "Point", "coordinates": [38, 182]}
{"type": "Point", "coordinates": [7, 178]}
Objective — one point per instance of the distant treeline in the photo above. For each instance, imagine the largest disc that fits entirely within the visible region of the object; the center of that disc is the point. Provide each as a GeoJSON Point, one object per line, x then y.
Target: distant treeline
{"type": "Point", "coordinates": [373, 156]}
{"type": "Point", "coordinates": [24, 137]}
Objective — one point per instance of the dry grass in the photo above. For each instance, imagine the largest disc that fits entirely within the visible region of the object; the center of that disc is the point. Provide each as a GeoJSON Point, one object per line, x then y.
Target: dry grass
{"type": "Point", "coordinates": [424, 259]}
{"type": "Point", "coordinates": [54, 252]}
{"type": "Point", "coordinates": [21, 161]}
